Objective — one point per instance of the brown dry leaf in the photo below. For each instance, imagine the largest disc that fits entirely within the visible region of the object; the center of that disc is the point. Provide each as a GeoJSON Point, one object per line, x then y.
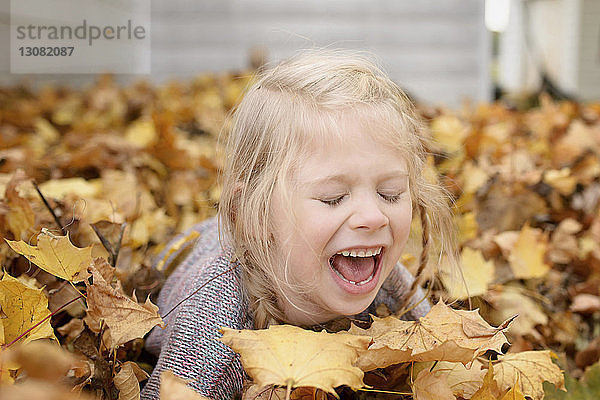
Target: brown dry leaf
{"type": "Point", "coordinates": [56, 255]}
{"type": "Point", "coordinates": [24, 307]}
{"type": "Point", "coordinates": [477, 273]}
{"type": "Point", "coordinates": [173, 387]}
{"type": "Point", "coordinates": [127, 382]}
{"type": "Point", "coordinates": [561, 180]}
{"type": "Point", "coordinates": [508, 301]}
{"type": "Point", "coordinates": [530, 369]}
{"type": "Point", "coordinates": [126, 319]}
{"type": "Point", "coordinates": [443, 334]}
{"type": "Point", "coordinates": [20, 217]}
{"type": "Point", "coordinates": [60, 188]}
{"type": "Point", "coordinates": [287, 355]}
{"type": "Point", "coordinates": [37, 356]}
{"type": "Point", "coordinates": [463, 381]}
{"type": "Point", "coordinates": [563, 246]}
{"type": "Point", "coordinates": [585, 304]}
{"type": "Point", "coordinates": [431, 386]}
{"type": "Point", "coordinates": [40, 390]}
{"type": "Point", "coordinates": [71, 329]}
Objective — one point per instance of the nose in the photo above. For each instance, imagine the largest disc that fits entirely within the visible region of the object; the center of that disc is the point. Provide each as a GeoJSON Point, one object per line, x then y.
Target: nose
{"type": "Point", "coordinates": [367, 215]}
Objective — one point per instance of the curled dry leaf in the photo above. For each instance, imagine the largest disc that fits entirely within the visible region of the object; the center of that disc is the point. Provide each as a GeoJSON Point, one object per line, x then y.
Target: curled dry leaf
{"type": "Point", "coordinates": [443, 334]}
{"type": "Point", "coordinates": [24, 307]}
{"type": "Point", "coordinates": [173, 387]}
{"type": "Point", "coordinates": [56, 255]}
{"type": "Point", "coordinates": [530, 369]}
{"type": "Point", "coordinates": [126, 319]}
{"type": "Point", "coordinates": [432, 386]}
{"type": "Point", "coordinates": [290, 356]}
{"type": "Point", "coordinates": [127, 382]}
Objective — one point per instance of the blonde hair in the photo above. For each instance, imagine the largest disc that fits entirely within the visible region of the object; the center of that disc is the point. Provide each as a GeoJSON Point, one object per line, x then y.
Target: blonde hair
{"type": "Point", "coordinates": [288, 107]}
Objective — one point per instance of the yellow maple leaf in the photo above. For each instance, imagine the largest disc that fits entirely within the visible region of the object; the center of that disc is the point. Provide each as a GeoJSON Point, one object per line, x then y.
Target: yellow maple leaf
{"type": "Point", "coordinates": [173, 387]}
{"type": "Point", "coordinates": [24, 307]}
{"type": "Point", "coordinates": [530, 369]}
{"type": "Point", "coordinates": [443, 334]}
{"type": "Point", "coordinates": [489, 389]}
{"type": "Point", "coordinates": [449, 132]}
{"type": "Point", "coordinates": [526, 254]}
{"type": "Point", "coordinates": [467, 226]}
{"type": "Point", "coordinates": [60, 188]}
{"type": "Point", "coordinates": [431, 386]}
{"type": "Point", "coordinates": [290, 356]}
{"type": "Point", "coordinates": [514, 394]}
{"type": "Point", "coordinates": [125, 318]}
{"type": "Point", "coordinates": [463, 381]}
{"type": "Point", "coordinates": [477, 274]}
{"type": "Point", "coordinates": [56, 255]}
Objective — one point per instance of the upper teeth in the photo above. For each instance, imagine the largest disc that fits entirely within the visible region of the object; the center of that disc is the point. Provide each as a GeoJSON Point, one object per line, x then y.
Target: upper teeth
{"type": "Point", "coordinates": [361, 252]}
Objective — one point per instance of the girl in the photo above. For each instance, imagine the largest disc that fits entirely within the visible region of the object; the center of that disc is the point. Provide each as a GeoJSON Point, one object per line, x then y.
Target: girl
{"type": "Point", "coordinates": [324, 169]}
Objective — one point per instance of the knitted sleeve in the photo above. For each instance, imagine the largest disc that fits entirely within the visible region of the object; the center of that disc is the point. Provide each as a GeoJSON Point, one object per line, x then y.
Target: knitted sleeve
{"type": "Point", "coordinates": [188, 345]}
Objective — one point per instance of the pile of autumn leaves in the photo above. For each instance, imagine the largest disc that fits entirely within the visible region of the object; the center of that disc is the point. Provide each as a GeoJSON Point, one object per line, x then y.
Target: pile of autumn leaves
{"type": "Point", "coordinates": [123, 168]}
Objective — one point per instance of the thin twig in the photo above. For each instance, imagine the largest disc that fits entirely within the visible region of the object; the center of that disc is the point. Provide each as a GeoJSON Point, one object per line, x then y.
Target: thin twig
{"type": "Point", "coordinates": [62, 228]}
{"type": "Point", "coordinates": [118, 245]}
{"type": "Point", "coordinates": [103, 240]}
{"type": "Point", "coordinates": [41, 322]}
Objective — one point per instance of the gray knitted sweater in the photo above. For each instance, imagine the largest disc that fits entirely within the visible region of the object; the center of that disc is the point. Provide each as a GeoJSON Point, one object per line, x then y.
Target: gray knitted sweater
{"type": "Point", "coordinates": [188, 345]}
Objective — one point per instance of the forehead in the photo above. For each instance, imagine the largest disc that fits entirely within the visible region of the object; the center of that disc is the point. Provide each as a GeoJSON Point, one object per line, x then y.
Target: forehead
{"type": "Point", "coordinates": [359, 126]}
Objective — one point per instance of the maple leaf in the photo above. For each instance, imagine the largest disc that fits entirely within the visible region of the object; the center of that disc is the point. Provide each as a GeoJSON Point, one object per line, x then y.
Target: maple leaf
{"type": "Point", "coordinates": [525, 252]}
{"type": "Point", "coordinates": [290, 356]}
{"type": "Point", "coordinates": [443, 334]}
{"type": "Point", "coordinates": [24, 307]}
{"type": "Point", "coordinates": [173, 387]}
{"type": "Point", "coordinates": [489, 389]}
{"type": "Point", "coordinates": [57, 256]}
{"type": "Point", "coordinates": [35, 357]}
{"type": "Point", "coordinates": [125, 318]}
{"type": "Point", "coordinates": [530, 369]}
{"type": "Point", "coordinates": [431, 386]}
{"type": "Point", "coordinates": [477, 273]}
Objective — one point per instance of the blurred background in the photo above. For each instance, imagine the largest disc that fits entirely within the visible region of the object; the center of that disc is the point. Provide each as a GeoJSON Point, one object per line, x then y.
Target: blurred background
{"type": "Point", "coordinates": [442, 52]}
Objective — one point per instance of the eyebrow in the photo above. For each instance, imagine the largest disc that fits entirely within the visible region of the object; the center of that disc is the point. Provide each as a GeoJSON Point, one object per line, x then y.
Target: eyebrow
{"type": "Point", "coordinates": [338, 178]}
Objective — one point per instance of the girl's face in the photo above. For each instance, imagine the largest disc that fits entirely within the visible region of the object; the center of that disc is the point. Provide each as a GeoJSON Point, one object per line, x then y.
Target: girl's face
{"type": "Point", "coordinates": [353, 212]}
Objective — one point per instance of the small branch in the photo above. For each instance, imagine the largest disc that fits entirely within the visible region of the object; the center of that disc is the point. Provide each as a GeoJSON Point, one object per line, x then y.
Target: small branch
{"type": "Point", "coordinates": [114, 253]}
{"type": "Point", "coordinates": [62, 228]}
{"type": "Point", "coordinates": [103, 240]}
{"type": "Point", "coordinates": [118, 245]}
{"type": "Point", "coordinates": [41, 322]}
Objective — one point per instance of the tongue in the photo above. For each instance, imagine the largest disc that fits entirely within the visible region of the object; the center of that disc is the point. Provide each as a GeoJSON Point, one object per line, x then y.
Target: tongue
{"type": "Point", "coordinates": [355, 269]}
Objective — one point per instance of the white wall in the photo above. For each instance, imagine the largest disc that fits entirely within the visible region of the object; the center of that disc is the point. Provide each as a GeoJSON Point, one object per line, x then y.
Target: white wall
{"type": "Point", "coordinates": [438, 49]}
{"type": "Point", "coordinates": [564, 39]}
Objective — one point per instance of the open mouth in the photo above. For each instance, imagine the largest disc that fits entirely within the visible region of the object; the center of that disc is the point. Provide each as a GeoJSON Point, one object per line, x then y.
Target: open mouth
{"type": "Point", "coordinates": [357, 266]}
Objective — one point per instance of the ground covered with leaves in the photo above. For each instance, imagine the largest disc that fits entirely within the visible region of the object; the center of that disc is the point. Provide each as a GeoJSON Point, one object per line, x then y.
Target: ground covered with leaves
{"type": "Point", "coordinates": [94, 182]}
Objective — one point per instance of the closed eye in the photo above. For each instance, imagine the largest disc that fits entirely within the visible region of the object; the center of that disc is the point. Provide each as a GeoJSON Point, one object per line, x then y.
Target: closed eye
{"type": "Point", "coordinates": [333, 202]}
{"type": "Point", "coordinates": [391, 198]}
